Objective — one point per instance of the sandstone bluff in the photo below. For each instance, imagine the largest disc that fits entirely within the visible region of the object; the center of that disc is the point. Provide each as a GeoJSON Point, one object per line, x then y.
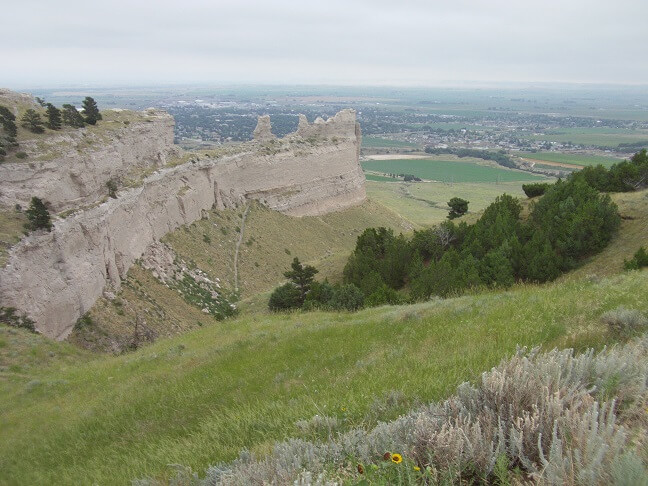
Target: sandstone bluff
{"type": "Point", "coordinates": [56, 277]}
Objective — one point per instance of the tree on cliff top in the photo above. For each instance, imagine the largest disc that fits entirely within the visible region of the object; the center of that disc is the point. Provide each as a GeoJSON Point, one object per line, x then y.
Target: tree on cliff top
{"type": "Point", "coordinates": [90, 111]}
{"type": "Point", "coordinates": [32, 121]}
{"type": "Point", "coordinates": [53, 117]}
{"type": "Point", "coordinates": [72, 117]}
{"type": "Point", "coordinates": [38, 216]}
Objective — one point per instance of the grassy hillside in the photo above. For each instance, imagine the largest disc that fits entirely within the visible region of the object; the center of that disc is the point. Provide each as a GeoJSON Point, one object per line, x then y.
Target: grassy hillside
{"type": "Point", "coordinates": [633, 208]}
{"type": "Point", "coordinates": [270, 241]}
{"type": "Point", "coordinates": [200, 398]}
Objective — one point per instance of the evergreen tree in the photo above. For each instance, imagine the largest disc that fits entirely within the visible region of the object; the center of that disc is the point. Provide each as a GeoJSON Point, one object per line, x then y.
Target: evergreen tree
{"type": "Point", "coordinates": [72, 117]}
{"type": "Point", "coordinates": [8, 131]}
{"type": "Point", "coordinates": [38, 216]}
{"type": "Point", "coordinates": [32, 121]}
{"type": "Point", "coordinates": [41, 101]}
{"type": "Point", "coordinates": [285, 297]}
{"type": "Point", "coordinates": [53, 117]}
{"type": "Point", "coordinates": [301, 276]}
{"type": "Point", "coordinates": [458, 207]}
{"type": "Point", "coordinates": [90, 111]}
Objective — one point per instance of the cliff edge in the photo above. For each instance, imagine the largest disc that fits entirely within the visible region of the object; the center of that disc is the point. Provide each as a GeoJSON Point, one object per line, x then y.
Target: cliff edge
{"type": "Point", "coordinates": [54, 278]}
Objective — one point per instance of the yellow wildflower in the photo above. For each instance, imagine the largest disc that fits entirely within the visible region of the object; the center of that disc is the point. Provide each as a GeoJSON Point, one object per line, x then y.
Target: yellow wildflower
{"type": "Point", "coordinates": [396, 458]}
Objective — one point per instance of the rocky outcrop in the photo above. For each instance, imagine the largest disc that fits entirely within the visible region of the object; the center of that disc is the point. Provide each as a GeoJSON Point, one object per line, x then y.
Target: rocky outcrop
{"type": "Point", "coordinates": [56, 277]}
{"type": "Point", "coordinates": [263, 130]}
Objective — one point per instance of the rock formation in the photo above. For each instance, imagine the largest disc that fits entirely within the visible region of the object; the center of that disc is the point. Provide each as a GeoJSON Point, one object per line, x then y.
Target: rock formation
{"type": "Point", "coordinates": [263, 130]}
{"type": "Point", "coordinates": [56, 277]}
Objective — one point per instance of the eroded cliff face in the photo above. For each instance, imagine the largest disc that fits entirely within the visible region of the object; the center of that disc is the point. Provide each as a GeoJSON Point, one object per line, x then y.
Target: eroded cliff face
{"type": "Point", "coordinates": [56, 277]}
{"type": "Point", "coordinates": [70, 169]}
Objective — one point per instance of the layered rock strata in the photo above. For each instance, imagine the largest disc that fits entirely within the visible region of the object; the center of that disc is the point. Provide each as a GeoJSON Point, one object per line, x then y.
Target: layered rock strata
{"type": "Point", "coordinates": [56, 277]}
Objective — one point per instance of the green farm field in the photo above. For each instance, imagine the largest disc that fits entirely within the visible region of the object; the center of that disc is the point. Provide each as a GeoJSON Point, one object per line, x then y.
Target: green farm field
{"type": "Point", "coordinates": [447, 171]}
{"type": "Point", "coordinates": [604, 137]}
{"type": "Point", "coordinates": [576, 159]}
{"type": "Point", "coordinates": [425, 203]}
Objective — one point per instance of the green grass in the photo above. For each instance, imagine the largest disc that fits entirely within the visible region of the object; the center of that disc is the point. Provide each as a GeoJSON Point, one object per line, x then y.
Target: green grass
{"type": "Point", "coordinates": [199, 398]}
{"type": "Point", "coordinates": [576, 159]}
{"type": "Point", "coordinates": [378, 142]}
{"type": "Point", "coordinates": [447, 171]}
{"type": "Point", "coordinates": [425, 203]}
{"type": "Point", "coordinates": [603, 136]}
{"type": "Point", "coordinates": [12, 225]}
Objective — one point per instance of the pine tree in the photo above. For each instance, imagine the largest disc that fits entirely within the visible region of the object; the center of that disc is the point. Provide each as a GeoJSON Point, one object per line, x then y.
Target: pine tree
{"type": "Point", "coordinates": [53, 117]}
{"type": "Point", "coordinates": [32, 121]}
{"type": "Point", "coordinates": [90, 111]}
{"type": "Point", "coordinates": [38, 215]}
{"type": "Point", "coordinates": [8, 131]}
{"type": "Point", "coordinates": [301, 276]}
{"type": "Point", "coordinates": [72, 117]}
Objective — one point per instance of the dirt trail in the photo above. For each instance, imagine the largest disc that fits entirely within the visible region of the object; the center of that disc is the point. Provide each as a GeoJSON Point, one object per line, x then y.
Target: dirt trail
{"type": "Point", "coordinates": [238, 245]}
{"type": "Point", "coordinates": [556, 164]}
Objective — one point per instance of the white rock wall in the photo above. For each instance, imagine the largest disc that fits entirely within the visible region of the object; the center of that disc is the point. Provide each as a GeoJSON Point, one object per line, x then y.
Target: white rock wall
{"type": "Point", "coordinates": [56, 277]}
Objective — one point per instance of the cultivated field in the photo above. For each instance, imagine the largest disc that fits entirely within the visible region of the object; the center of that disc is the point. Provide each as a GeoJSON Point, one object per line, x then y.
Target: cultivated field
{"type": "Point", "coordinates": [603, 137]}
{"type": "Point", "coordinates": [447, 170]}
{"type": "Point", "coordinates": [378, 142]}
{"type": "Point", "coordinates": [571, 159]}
{"type": "Point", "coordinates": [425, 203]}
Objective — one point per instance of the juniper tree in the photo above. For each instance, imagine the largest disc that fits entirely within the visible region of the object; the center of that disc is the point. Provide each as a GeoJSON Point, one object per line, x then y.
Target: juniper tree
{"type": "Point", "coordinates": [53, 117]}
{"type": "Point", "coordinates": [38, 216]}
{"type": "Point", "coordinates": [72, 117]}
{"type": "Point", "coordinates": [8, 131]}
{"type": "Point", "coordinates": [32, 121]}
{"type": "Point", "coordinates": [90, 111]}
{"type": "Point", "coordinates": [458, 207]}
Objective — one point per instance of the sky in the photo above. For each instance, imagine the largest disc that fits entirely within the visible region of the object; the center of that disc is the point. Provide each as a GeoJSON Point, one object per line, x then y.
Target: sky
{"type": "Point", "coordinates": [352, 42]}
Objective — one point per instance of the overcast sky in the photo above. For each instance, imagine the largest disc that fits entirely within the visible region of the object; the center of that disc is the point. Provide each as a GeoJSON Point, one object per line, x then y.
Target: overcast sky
{"type": "Point", "coordinates": [397, 42]}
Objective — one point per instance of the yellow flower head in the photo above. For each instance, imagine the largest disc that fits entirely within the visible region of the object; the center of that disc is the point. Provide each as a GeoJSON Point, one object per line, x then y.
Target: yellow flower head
{"type": "Point", "coordinates": [416, 468]}
{"type": "Point", "coordinates": [396, 458]}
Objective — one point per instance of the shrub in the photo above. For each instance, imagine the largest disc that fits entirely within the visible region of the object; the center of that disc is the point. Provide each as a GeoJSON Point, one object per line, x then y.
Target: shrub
{"type": "Point", "coordinates": [21, 155]}
{"type": "Point", "coordinates": [534, 190]}
{"type": "Point", "coordinates": [285, 297]}
{"type": "Point", "coordinates": [38, 216]}
{"type": "Point", "coordinates": [11, 317]}
{"type": "Point", "coordinates": [112, 188]}
{"type": "Point", "coordinates": [347, 297]}
{"type": "Point", "coordinates": [624, 322]}
{"type": "Point", "coordinates": [639, 260]}
{"type": "Point", "coordinates": [544, 415]}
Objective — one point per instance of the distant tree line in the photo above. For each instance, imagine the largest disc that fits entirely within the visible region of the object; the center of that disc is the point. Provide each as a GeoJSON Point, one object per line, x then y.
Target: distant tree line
{"type": "Point", "coordinates": [499, 157]}
{"type": "Point", "coordinates": [629, 175]}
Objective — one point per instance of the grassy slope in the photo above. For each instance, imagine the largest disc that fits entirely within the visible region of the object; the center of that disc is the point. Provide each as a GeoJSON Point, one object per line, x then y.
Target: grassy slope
{"type": "Point", "coordinates": [12, 224]}
{"type": "Point", "coordinates": [199, 398]}
{"type": "Point", "coordinates": [633, 207]}
{"type": "Point", "coordinates": [271, 241]}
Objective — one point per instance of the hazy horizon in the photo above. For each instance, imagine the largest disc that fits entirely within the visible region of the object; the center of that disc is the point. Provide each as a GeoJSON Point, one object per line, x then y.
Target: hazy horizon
{"type": "Point", "coordinates": [359, 43]}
